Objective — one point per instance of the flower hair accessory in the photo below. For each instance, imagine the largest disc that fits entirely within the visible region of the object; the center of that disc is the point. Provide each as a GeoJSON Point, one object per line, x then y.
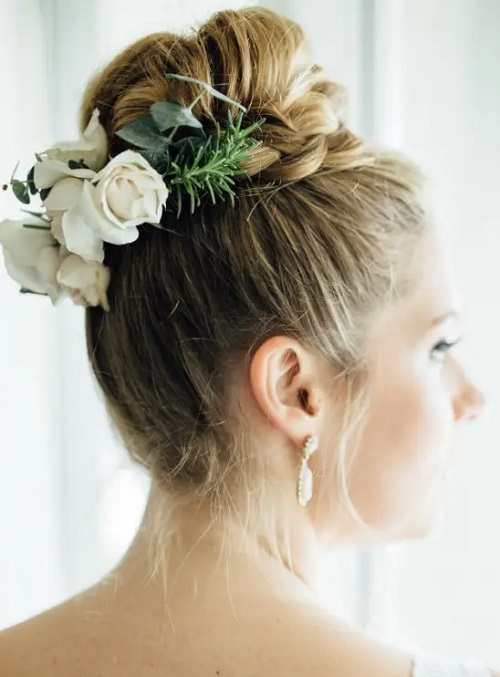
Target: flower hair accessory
{"type": "Point", "coordinates": [89, 199]}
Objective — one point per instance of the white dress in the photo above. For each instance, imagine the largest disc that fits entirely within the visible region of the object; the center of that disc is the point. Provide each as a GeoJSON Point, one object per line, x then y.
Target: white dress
{"type": "Point", "coordinates": [436, 667]}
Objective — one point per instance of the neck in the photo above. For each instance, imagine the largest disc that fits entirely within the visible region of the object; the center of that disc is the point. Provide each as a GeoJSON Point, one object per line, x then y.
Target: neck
{"type": "Point", "coordinates": [181, 538]}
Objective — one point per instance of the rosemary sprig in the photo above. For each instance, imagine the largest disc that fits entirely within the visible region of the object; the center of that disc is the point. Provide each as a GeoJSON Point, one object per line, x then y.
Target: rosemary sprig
{"type": "Point", "coordinates": [207, 168]}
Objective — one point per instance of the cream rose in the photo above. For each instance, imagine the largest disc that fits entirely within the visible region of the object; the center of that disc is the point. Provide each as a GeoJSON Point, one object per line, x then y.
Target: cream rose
{"type": "Point", "coordinates": [32, 257]}
{"type": "Point", "coordinates": [129, 192]}
{"type": "Point", "coordinates": [91, 147]}
{"type": "Point", "coordinates": [85, 282]}
{"type": "Point", "coordinates": [63, 196]}
{"type": "Point", "coordinates": [126, 193]}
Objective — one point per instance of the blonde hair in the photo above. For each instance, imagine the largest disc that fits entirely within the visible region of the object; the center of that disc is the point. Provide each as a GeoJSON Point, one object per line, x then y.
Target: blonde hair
{"type": "Point", "coordinates": [318, 243]}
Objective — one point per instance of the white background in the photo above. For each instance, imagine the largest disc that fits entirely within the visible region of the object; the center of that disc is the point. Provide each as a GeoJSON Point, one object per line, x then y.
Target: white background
{"type": "Point", "coordinates": [423, 76]}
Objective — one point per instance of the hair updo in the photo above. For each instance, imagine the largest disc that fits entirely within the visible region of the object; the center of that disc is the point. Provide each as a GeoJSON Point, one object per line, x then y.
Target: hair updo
{"type": "Point", "coordinates": [317, 243]}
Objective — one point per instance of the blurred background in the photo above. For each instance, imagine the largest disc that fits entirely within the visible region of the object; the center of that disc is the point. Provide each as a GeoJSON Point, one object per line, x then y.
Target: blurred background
{"type": "Point", "coordinates": [423, 76]}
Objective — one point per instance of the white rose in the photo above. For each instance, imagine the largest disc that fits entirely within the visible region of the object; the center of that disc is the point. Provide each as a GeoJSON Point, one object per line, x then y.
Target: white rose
{"type": "Point", "coordinates": [85, 282]}
{"type": "Point", "coordinates": [126, 193]}
{"type": "Point", "coordinates": [63, 196]}
{"type": "Point", "coordinates": [32, 257]}
{"type": "Point", "coordinates": [130, 192]}
{"type": "Point", "coordinates": [91, 147]}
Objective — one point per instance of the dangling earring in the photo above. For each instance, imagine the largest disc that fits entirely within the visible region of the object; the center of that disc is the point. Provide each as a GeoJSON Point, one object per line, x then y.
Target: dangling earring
{"type": "Point", "coordinates": [305, 482]}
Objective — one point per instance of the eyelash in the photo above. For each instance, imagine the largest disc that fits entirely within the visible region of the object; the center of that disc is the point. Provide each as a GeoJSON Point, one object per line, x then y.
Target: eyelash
{"type": "Point", "coordinates": [443, 347]}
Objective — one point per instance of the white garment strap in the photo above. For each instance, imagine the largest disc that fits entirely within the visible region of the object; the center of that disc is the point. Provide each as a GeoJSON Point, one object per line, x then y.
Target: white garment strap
{"type": "Point", "coordinates": [436, 667]}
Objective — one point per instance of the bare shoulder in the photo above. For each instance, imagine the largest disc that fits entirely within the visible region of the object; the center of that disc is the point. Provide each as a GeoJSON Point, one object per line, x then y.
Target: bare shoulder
{"type": "Point", "coordinates": [291, 641]}
{"type": "Point", "coordinates": [313, 641]}
{"type": "Point", "coordinates": [33, 645]}
{"type": "Point", "coordinates": [287, 639]}
{"type": "Point", "coordinates": [17, 648]}
{"type": "Point", "coordinates": [331, 647]}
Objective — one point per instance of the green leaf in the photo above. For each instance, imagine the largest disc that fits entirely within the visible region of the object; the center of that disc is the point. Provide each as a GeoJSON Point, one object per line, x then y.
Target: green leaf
{"type": "Point", "coordinates": [77, 164]}
{"type": "Point", "coordinates": [24, 290]}
{"type": "Point", "coordinates": [35, 226]}
{"type": "Point", "coordinates": [31, 181]}
{"type": "Point", "coordinates": [43, 193]}
{"type": "Point", "coordinates": [168, 114]}
{"type": "Point", "coordinates": [158, 158]}
{"type": "Point", "coordinates": [211, 193]}
{"type": "Point", "coordinates": [14, 171]}
{"type": "Point", "coordinates": [21, 191]}
{"type": "Point", "coordinates": [179, 200]}
{"type": "Point", "coordinates": [39, 215]}
{"type": "Point", "coordinates": [243, 134]}
{"type": "Point", "coordinates": [142, 133]}
{"type": "Point", "coordinates": [195, 135]}
{"type": "Point", "coordinates": [208, 88]}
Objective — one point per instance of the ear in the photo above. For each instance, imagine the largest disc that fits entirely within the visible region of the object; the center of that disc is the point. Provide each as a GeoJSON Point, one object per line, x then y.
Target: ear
{"type": "Point", "coordinates": [285, 381]}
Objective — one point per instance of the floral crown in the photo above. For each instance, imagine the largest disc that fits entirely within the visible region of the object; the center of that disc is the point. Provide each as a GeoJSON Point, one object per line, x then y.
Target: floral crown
{"type": "Point", "coordinates": [89, 199]}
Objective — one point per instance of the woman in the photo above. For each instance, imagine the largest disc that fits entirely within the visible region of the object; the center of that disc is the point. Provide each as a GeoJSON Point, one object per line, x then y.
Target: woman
{"type": "Point", "coordinates": [280, 365]}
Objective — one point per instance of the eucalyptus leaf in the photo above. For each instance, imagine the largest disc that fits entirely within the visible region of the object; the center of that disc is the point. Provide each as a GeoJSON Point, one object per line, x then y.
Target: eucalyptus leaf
{"type": "Point", "coordinates": [77, 164]}
{"type": "Point", "coordinates": [168, 114]}
{"type": "Point", "coordinates": [14, 171]}
{"type": "Point", "coordinates": [24, 290]}
{"type": "Point", "coordinates": [208, 88]}
{"type": "Point", "coordinates": [37, 226]}
{"type": "Point", "coordinates": [21, 191]}
{"type": "Point", "coordinates": [31, 181]}
{"type": "Point", "coordinates": [157, 158]}
{"type": "Point", "coordinates": [44, 193]}
{"type": "Point", "coordinates": [194, 134]}
{"type": "Point", "coordinates": [142, 133]}
{"type": "Point", "coordinates": [39, 215]}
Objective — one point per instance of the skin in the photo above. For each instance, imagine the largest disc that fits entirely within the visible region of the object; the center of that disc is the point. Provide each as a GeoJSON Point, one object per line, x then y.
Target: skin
{"type": "Point", "coordinates": [258, 617]}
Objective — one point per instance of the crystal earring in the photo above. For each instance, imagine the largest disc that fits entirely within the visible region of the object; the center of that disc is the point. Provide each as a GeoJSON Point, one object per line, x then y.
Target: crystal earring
{"type": "Point", "coordinates": [305, 482]}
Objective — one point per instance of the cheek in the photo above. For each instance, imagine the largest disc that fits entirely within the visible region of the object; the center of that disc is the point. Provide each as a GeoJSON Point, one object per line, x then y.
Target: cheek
{"type": "Point", "coordinates": [399, 465]}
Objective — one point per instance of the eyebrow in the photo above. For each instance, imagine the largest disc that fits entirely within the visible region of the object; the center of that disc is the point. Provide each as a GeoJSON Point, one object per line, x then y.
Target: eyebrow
{"type": "Point", "coordinates": [452, 314]}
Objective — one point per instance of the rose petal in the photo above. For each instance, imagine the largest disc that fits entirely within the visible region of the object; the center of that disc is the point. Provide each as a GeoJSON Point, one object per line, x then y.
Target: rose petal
{"type": "Point", "coordinates": [151, 206]}
{"type": "Point", "coordinates": [26, 276]}
{"type": "Point", "coordinates": [47, 266]}
{"type": "Point", "coordinates": [121, 195]}
{"type": "Point", "coordinates": [144, 182]}
{"type": "Point", "coordinates": [64, 194]}
{"type": "Point", "coordinates": [80, 238]}
{"type": "Point", "coordinates": [87, 282]}
{"type": "Point", "coordinates": [24, 243]}
{"type": "Point", "coordinates": [124, 158]}
{"type": "Point", "coordinates": [77, 273]}
{"type": "Point", "coordinates": [85, 227]}
{"type": "Point", "coordinates": [92, 147]}
{"type": "Point", "coordinates": [105, 229]}
{"type": "Point", "coordinates": [50, 171]}
{"type": "Point", "coordinates": [31, 258]}
{"type": "Point", "coordinates": [56, 226]}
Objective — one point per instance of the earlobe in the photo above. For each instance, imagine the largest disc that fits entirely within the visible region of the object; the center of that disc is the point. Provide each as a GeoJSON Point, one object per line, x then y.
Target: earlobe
{"type": "Point", "coordinates": [278, 382]}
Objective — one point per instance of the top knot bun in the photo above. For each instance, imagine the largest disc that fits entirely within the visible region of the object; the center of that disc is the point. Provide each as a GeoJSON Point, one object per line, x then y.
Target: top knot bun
{"type": "Point", "coordinates": [254, 56]}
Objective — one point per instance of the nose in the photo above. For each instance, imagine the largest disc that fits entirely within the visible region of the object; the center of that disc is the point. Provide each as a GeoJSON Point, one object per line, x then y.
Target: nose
{"type": "Point", "coordinates": [468, 400]}
{"type": "Point", "coordinates": [469, 404]}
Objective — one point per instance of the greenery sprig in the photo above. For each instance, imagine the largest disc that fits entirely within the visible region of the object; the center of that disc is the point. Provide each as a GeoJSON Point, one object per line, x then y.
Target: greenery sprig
{"type": "Point", "coordinates": [193, 164]}
{"type": "Point", "coordinates": [98, 199]}
{"type": "Point", "coordinates": [22, 189]}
